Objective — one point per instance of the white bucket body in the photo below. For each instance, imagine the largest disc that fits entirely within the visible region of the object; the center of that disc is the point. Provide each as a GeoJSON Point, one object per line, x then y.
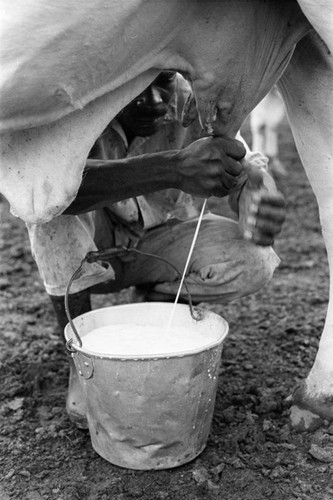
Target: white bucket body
{"type": "Point", "coordinates": [149, 412]}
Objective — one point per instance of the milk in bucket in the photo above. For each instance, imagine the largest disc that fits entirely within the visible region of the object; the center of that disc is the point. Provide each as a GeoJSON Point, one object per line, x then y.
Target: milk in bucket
{"type": "Point", "coordinates": [150, 397]}
{"type": "Point", "coordinates": [134, 339]}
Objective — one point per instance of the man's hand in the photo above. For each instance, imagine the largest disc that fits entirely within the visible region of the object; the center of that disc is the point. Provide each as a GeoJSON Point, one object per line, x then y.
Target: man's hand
{"type": "Point", "coordinates": [265, 218]}
{"type": "Point", "coordinates": [263, 208]}
{"type": "Point", "coordinates": [210, 166]}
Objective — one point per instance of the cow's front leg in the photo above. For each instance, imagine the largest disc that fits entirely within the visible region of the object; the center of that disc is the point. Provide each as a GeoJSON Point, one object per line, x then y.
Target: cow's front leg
{"type": "Point", "coordinates": [308, 93]}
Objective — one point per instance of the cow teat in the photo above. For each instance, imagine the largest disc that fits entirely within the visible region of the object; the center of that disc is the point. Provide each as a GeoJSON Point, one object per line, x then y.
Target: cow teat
{"type": "Point", "coordinates": [219, 120]}
{"type": "Point", "coordinates": [224, 110]}
{"type": "Point", "coordinates": [190, 112]}
{"type": "Point", "coordinates": [210, 119]}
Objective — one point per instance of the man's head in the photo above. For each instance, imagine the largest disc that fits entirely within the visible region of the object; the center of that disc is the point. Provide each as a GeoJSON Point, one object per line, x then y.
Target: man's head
{"type": "Point", "coordinates": [143, 115]}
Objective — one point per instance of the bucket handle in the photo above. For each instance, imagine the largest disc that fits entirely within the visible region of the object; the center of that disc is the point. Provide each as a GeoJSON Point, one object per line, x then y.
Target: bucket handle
{"type": "Point", "coordinates": [105, 255]}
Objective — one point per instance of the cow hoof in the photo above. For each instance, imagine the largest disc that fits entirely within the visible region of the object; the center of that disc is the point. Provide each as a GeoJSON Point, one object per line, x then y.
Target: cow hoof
{"type": "Point", "coordinates": [309, 413]}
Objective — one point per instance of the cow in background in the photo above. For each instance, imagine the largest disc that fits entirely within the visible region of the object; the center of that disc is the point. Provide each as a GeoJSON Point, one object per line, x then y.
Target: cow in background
{"type": "Point", "coordinates": [264, 122]}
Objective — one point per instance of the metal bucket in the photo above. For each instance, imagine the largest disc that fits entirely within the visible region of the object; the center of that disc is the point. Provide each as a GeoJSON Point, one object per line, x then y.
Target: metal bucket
{"type": "Point", "coordinates": [149, 411]}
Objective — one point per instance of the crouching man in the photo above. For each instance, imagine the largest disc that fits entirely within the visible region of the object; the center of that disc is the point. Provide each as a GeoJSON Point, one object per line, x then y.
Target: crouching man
{"type": "Point", "coordinates": [143, 187]}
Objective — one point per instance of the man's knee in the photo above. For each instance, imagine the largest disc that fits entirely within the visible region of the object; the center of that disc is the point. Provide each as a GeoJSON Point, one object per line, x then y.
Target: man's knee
{"type": "Point", "coordinates": [249, 269]}
{"type": "Point", "coordinates": [225, 280]}
{"type": "Point", "coordinates": [238, 278]}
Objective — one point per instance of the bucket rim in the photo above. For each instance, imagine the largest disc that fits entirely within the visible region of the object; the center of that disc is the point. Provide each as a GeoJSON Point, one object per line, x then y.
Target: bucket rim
{"type": "Point", "coordinates": [150, 356]}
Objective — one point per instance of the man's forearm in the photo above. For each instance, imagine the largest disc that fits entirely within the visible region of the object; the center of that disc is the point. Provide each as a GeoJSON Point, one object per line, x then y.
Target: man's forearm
{"type": "Point", "coordinates": [208, 166]}
{"type": "Point", "coordinates": [109, 181]}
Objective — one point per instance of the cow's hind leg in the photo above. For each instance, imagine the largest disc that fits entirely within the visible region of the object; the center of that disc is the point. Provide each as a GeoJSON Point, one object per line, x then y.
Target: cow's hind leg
{"type": "Point", "coordinates": [307, 89]}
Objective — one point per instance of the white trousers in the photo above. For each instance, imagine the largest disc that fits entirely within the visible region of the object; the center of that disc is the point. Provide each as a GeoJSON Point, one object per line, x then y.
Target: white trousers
{"type": "Point", "coordinates": [223, 266]}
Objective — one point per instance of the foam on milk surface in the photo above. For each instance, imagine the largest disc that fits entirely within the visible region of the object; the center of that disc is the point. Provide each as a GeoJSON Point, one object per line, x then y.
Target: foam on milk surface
{"type": "Point", "coordinates": [132, 339]}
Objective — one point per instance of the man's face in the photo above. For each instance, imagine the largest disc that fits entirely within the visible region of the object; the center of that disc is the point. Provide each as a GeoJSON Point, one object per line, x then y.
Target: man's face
{"type": "Point", "coordinates": [144, 114]}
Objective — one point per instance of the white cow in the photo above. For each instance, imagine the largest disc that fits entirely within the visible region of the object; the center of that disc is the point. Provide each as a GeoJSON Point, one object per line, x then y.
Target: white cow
{"type": "Point", "coordinates": [264, 122]}
{"type": "Point", "coordinates": [68, 67]}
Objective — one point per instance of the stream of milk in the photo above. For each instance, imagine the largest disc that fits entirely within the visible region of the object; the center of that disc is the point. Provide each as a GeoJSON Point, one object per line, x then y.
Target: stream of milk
{"type": "Point", "coordinates": [186, 266]}
{"type": "Point", "coordinates": [133, 339]}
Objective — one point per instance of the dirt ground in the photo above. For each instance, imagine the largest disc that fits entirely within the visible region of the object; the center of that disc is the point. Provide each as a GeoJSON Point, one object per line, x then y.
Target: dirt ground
{"type": "Point", "coordinates": [252, 453]}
